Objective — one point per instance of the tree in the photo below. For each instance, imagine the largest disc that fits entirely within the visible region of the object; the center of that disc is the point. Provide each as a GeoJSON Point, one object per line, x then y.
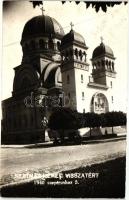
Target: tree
{"type": "Point", "coordinates": [121, 118]}
{"type": "Point", "coordinates": [80, 118]}
{"type": "Point", "coordinates": [115, 119]}
{"type": "Point", "coordinates": [63, 119]}
{"type": "Point", "coordinates": [92, 120]}
{"type": "Point", "coordinates": [94, 4]}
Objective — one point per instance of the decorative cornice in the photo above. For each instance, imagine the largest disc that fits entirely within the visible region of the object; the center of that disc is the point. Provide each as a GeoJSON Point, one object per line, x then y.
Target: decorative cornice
{"type": "Point", "coordinates": [96, 85]}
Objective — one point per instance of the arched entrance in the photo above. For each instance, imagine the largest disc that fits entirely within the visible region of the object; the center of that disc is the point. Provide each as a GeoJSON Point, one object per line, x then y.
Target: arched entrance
{"type": "Point", "coordinates": [99, 103]}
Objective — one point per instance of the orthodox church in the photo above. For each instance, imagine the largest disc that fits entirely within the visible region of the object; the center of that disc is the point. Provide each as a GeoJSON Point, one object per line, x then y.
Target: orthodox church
{"type": "Point", "coordinates": [54, 65]}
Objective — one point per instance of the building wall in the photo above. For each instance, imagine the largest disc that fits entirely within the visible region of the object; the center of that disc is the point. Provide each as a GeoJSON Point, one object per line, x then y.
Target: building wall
{"type": "Point", "coordinates": [84, 103]}
{"type": "Point", "coordinates": [81, 88]}
{"type": "Point", "coordinates": [21, 124]}
{"type": "Point", "coordinates": [76, 87]}
{"type": "Point", "coordinates": [68, 86]}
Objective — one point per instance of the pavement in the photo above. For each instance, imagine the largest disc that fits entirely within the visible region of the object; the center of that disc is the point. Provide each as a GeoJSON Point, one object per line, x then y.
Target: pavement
{"type": "Point", "coordinates": [21, 163]}
{"type": "Point", "coordinates": [120, 136]}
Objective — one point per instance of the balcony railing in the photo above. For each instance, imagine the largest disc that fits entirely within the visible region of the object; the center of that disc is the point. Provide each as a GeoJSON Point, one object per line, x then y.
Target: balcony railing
{"type": "Point", "coordinates": [96, 85]}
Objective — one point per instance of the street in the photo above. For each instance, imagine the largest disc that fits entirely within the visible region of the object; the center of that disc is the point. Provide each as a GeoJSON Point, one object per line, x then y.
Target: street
{"type": "Point", "coordinates": [57, 158]}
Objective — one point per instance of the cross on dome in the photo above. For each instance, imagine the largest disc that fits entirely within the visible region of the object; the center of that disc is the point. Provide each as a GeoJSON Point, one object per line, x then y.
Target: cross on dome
{"type": "Point", "coordinates": [43, 10]}
{"type": "Point", "coordinates": [71, 24]}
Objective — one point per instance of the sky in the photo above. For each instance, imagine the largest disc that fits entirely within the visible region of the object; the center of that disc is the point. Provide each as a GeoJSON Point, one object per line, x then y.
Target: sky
{"type": "Point", "coordinates": [112, 26]}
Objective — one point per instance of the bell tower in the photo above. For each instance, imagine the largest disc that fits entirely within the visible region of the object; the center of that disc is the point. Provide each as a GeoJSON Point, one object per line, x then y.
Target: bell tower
{"type": "Point", "coordinates": [103, 71]}
{"type": "Point", "coordinates": [74, 69]}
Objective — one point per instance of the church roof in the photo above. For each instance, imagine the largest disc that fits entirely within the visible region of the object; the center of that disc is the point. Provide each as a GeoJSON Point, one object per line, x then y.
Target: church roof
{"type": "Point", "coordinates": [71, 37]}
{"type": "Point", "coordinates": [51, 75]}
{"type": "Point", "coordinates": [42, 25]}
{"type": "Point", "coordinates": [102, 49]}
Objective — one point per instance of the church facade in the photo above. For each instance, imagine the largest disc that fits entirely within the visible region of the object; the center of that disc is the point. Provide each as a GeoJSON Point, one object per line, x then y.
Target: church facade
{"type": "Point", "coordinates": [55, 68]}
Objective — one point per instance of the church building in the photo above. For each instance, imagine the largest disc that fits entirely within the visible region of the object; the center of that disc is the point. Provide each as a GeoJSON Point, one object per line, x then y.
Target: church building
{"type": "Point", "coordinates": [55, 65]}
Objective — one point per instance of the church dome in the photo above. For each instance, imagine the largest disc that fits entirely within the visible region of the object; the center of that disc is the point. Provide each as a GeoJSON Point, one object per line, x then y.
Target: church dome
{"type": "Point", "coordinates": [73, 37]}
{"type": "Point", "coordinates": [42, 25]}
{"type": "Point", "coordinates": [101, 50]}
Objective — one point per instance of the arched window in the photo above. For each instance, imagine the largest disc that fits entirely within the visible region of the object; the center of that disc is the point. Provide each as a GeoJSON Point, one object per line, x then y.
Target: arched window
{"type": "Point", "coordinates": [41, 44]}
{"type": "Point", "coordinates": [76, 53]}
{"type": "Point", "coordinates": [109, 65]}
{"type": "Point", "coordinates": [99, 103]}
{"type": "Point", "coordinates": [83, 96]}
{"type": "Point", "coordinates": [106, 64]}
{"type": "Point", "coordinates": [112, 99]}
{"type": "Point", "coordinates": [81, 78]}
{"type": "Point", "coordinates": [92, 100]}
{"type": "Point", "coordinates": [111, 84]}
{"type": "Point", "coordinates": [84, 53]}
{"type": "Point", "coordinates": [80, 54]}
{"type": "Point", "coordinates": [112, 66]}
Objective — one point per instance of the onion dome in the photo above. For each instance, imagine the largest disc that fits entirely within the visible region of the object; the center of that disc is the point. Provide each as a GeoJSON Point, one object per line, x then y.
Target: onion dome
{"type": "Point", "coordinates": [43, 26]}
{"type": "Point", "coordinates": [102, 50]}
{"type": "Point", "coordinates": [73, 38]}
